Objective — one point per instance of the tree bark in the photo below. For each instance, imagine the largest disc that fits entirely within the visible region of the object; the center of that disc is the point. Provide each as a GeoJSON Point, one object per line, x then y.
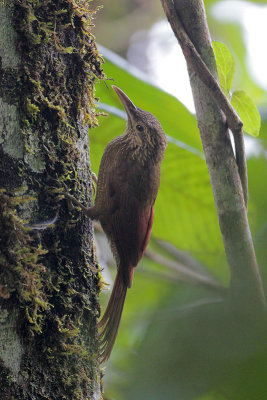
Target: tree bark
{"type": "Point", "coordinates": [49, 280]}
{"type": "Point", "coordinates": [245, 286]}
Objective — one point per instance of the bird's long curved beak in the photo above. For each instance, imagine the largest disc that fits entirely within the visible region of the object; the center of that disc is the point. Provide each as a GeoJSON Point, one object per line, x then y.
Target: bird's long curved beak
{"type": "Point", "coordinates": [127, 103]}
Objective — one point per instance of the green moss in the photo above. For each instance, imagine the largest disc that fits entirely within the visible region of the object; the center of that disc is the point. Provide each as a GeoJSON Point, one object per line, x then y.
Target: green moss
{"type": "Point", "coordinates": [55, 295]}
{"type": "Point", "coordinates": [21, 271]}
{"type": "Point", "coordinates": [32, 109]}
{"type": "Point", "coordinates": [40, 23]}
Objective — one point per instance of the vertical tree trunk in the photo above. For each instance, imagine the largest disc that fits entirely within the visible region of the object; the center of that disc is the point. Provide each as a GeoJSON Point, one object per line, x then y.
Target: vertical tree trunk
{"type": "Point", "coordinates": [48, 277]}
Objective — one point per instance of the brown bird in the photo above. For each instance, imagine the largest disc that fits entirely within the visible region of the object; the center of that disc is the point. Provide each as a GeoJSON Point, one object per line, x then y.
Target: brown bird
{"type": "Point", "coordinates": [128, 183]}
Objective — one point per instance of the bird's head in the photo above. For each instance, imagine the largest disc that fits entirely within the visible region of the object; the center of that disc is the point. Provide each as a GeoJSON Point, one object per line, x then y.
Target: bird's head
{"type": "Point", "coordinates": [143, 128]}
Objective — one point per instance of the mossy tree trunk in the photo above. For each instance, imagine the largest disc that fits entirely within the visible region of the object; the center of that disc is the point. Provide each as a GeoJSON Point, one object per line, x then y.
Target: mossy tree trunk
{"type": "Point", "coordinates": [48, 277]}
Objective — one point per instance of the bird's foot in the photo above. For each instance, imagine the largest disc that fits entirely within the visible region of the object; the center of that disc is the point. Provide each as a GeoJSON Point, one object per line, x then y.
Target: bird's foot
{"type": "Point", "coordinates": [72, 200]}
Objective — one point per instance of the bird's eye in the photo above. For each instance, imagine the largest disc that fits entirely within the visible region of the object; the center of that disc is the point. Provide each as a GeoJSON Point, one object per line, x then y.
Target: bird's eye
{"type": "Point", "coordinates": [140, 128]}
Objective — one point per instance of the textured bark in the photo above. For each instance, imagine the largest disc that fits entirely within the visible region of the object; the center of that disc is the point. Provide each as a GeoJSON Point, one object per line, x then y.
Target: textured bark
{"type": "Point", "coordinates": [246, 286]}
{"type": "Point", "coordinates": [48, 277]}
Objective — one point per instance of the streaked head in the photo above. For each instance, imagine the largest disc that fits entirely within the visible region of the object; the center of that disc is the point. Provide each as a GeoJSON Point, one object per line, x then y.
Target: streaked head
{"type": "Point", "coordinates": [143, 127]}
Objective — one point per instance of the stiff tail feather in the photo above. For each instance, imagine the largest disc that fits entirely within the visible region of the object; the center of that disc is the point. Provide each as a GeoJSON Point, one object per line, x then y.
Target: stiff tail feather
{"type": "Point", "coordinates": [109, 324]}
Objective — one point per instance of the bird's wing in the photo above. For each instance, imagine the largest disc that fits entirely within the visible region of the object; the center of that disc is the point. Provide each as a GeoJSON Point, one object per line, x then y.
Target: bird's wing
{"type": "Point", "coordinates": [131, 229]}
{"type": "Point", "coordinates": [145, 228]}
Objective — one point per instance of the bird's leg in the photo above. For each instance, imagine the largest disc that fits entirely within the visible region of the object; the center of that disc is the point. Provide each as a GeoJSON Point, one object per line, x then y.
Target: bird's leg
{"type": "Point", "coordinates": [71, 199]}
{"type": "Point", "coordinates": [88, 211]}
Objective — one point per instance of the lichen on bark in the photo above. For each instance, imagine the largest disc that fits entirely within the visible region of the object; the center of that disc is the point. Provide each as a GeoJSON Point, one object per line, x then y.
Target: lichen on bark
{"type": "Point", "coordinates": [48, 278]}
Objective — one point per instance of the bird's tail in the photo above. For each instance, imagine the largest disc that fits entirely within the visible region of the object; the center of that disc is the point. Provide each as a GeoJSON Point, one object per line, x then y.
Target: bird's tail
{"type": "Point", "coordinates": [109, 324]}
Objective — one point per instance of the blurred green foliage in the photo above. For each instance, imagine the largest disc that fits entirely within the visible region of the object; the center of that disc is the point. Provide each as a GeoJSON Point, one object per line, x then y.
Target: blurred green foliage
{"type": "Point", "coordinates": [177, 339]}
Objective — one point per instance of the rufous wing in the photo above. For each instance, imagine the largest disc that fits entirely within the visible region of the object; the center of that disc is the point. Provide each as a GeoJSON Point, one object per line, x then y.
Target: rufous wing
{"type": "Point", "coordinates": [144, 229]}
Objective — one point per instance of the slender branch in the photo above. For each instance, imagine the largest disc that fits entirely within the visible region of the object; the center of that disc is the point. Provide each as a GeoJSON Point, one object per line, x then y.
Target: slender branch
{"type": "Point", "coordinates": [183, 257]}
{"type": "Point", "coordinates": [226, 177]}
{"type": "Point", "coordinates": [184, 273]}
{"type": "Point", "coordinates": [200, 68]}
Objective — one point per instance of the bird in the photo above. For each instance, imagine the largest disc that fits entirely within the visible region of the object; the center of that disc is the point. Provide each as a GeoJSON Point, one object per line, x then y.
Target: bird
{"type": "Point", "coordinates": [127, 187]}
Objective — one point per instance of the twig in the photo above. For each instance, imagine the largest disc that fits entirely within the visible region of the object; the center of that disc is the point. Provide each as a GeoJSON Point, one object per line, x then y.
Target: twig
{"type": "Point", "coordinates": [199, 67]}
{"type": "Point", "coordinates": [182, 256]}
{"type": "Point", "coordinates": [185, 274]}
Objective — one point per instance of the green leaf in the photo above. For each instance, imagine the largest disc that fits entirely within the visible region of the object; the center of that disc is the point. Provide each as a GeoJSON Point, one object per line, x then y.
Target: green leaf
{"type": "Point", "coordinates": [248, 112]}
{"type": "Point", "coordinates": [225, 66]}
